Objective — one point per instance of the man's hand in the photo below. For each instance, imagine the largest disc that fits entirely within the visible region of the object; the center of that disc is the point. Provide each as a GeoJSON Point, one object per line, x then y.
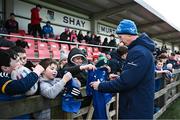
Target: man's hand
{"type": "Point", "coordinates": [95, 84]}
{"type": "Point", "coordinates": [113, 76]}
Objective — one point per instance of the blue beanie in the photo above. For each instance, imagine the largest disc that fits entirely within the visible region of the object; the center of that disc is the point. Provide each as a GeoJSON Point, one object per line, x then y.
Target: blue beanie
{"type": "Point", "coordinates": [127, 27]}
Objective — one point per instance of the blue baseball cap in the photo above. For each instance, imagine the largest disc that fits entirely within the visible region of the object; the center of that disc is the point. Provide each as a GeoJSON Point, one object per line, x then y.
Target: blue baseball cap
{"type": "Point", "coordinates": [127, 27]}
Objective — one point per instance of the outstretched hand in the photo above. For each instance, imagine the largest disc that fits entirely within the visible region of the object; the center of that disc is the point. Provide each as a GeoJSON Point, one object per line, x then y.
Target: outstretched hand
{"type": "Point", "coordinates": [88, 67]}
{"type": "Point", "coordinates": [95, 84]}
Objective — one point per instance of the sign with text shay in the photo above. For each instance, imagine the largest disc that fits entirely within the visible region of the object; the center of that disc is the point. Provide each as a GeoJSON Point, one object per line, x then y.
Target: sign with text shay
{"type": "Point", "coordinates": [74, 22]}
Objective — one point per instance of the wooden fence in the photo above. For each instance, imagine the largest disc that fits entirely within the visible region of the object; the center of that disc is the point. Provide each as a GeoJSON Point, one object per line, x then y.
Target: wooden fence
{"type": "Point", "coordinates": [36, 103]}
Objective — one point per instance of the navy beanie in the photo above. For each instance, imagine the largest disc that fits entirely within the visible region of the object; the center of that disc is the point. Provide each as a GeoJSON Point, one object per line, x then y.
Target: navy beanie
{"type": "Point", "coordinates": [127, 27]}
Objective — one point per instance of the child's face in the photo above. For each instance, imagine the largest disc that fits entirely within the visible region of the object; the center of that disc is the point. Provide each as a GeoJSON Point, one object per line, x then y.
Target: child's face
{"type": "Point", "coordinates": [23, 58]}
{"type": "Point", "coordinates": [63, 62]}
{"type": "Point", "coordinates": [51, 72]}
{"type": "Point", "coordinates": [13, 64]}
{"type": "Point", "coordinates": [95, 60]}
{"type": "Point", "coordinates": [159, 65]}
{"type": "Point", "coordinates": [124, 56]}
{"type": "Point", "coordinates": [108, 56]}
{"type": "Point", "coordinates": [78, 60]}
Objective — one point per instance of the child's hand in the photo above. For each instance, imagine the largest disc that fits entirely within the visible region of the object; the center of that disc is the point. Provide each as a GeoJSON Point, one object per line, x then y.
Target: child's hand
{"type": "Point", "coordinates": [38, 69]}
{"type": "Point", "coordinates": [108, 68]}
{"type": "Point", "coordinates": [113, 76]}
{"type": "Point", "coordinates": [166, 71]}
{"type": "Point", "coordinates": [88, 67]}
{"type": "Point", "coordinates": [67, 77]}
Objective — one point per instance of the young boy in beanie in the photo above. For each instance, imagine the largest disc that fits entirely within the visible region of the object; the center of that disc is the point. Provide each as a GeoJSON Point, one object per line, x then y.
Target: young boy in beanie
{"type": "Point", "coordinates": [50, 86]}
{"type": "Point", "coordinates": [62, 62]}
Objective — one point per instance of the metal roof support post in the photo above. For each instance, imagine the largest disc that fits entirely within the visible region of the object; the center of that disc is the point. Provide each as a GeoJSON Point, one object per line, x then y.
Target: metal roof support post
{"type": "Point", "coordinates": [173, 47]}
{"type": "Point", "coordinates": [9, 8]}
{"type": "Point", "coordinates": [94, 26]}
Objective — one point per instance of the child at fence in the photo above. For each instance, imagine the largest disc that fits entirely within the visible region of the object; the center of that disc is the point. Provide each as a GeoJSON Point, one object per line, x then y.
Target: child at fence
{"type": "Point", "coordinates": [118, 58]}
{"type": "Point", "coordinates": [159, 81]}
{"type": "Point", "coordinates": [62, 62]}
{"type": "Point", "coordinates": [77, 65]}
{"type": "Point", "coordinates": [9, 60]}
{"type": "Point", "coordinates": [50, 86]}
{"type": "Point", "coordinates": [22, 71]}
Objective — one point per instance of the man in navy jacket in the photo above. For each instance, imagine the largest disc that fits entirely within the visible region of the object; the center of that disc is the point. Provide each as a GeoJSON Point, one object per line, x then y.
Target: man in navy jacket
{"type": "Point", "coordinates": [136, 83]}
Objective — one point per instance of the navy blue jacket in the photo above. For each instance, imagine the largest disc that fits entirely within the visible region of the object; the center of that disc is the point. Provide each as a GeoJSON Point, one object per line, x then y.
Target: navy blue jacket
{"type": "Point", "coordinates": [13, 87]}
{"type": "Point", "coordinates": [136, 82]}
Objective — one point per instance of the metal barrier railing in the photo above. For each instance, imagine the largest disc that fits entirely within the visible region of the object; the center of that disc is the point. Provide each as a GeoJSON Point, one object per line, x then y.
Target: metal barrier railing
{"type": "Point", "coordinates": [53, 40]}
{"type": "Point", "coordinates": [163, 95]}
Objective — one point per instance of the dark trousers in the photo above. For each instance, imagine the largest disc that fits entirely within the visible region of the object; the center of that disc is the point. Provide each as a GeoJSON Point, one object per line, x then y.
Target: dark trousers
{"type": "Point", "coordinates": [36, 28]}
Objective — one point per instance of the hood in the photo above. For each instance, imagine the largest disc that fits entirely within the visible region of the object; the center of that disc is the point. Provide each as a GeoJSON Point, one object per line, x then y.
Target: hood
{"type": "Point", "coordinates": [74, 53]}
{"type": "Point", "coordinates": [115, 55]}
{"type": "Point", "coordinates": [145, 41]}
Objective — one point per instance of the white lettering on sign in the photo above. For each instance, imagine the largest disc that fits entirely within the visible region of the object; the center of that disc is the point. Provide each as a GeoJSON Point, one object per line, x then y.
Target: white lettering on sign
{"type": "Point", "coordinates": [106, 30]}
{"type": "Point", "coordinates": [74, 22]}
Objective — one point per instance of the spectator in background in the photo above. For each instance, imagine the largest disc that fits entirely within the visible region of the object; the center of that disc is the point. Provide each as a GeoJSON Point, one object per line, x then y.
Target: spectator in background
{"type": "Point", "coordinates": [65, 36]}
{"type": "Point", "coordinates": [11, 24]}
{"type": "Point", "coordinates": [73, 36]}
{"type": "Point", "coordinates": [35, 21]}
{"type": "Point", "coordinates": [105, 43]}
{"type": "Point", "coordinates": [22, 43]}
{"type": "Point", "coordinates": [29, 29]}
{"type": "Point", "coordinates": [93, 39]}
{"type": "Point", "coordinates": [98, 40]}
{"type": "Point", "coordinates": [48, 30]}
{"type": "Point", "coordinates": [172, 60]}
{"type": "Point", "coordinates": [6, 43]}
{"type": "Point", "coordinates": [87, 37]}
{"type": "Point", "coordinates": [112, 42]}
{"type": "Point", "coordinates": [80, 36]}
{"type": "Point", "coordinates": [136, 82]}
{"type": "Point", "coordinates": [62, 62]}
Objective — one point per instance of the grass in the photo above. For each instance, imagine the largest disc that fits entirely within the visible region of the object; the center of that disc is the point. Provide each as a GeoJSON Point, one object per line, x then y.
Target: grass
{"type": "Point", "coordinates": [173, 112]}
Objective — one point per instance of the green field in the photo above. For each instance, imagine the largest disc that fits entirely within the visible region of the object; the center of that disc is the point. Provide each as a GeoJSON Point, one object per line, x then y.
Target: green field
{"type": "Point", "coordinates": [173, 112]}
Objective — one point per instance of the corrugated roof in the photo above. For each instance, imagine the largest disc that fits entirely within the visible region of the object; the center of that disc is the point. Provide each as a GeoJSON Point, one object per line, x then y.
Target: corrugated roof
{"type": "Point", "coordinates": [115, 10]}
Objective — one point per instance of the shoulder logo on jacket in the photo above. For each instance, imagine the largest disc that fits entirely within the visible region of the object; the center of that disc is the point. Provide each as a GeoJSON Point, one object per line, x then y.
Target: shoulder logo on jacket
{"type": "Point", "coordinates": [3, 74]}
{"type": "Point", "coordinates": [132, 63]}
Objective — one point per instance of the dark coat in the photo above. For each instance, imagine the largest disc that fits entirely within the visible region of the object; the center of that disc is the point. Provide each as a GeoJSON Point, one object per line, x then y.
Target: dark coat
{"type": "Point", "coordinates": [136, 82]}
{"type": "Point", "coordinates": [75, 69]}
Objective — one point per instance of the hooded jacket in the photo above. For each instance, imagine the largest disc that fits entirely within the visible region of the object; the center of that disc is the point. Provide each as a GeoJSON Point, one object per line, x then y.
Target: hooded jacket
{"type": "Point", "coordinates": [75, 69]}
{"type": "Point", "coordinates": [136, 82]}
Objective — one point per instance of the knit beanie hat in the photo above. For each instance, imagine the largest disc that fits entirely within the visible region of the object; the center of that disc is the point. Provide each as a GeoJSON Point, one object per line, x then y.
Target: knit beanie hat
{"type": "Point", "coordinates": [102, 60]}
{"type": "Point", "coordinates": [127, 27]}
{"type": "Point", "coordinates": [102, 57]}
{"type": "Point", "coordinates": [63, 56]}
